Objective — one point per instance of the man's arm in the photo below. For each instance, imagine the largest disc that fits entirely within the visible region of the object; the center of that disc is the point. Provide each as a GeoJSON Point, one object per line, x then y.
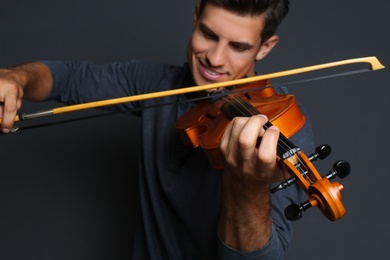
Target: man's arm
{"type": "Point", "coordinates": [245, 221]}
{"type": "Point", "coordinates": [32, 81]}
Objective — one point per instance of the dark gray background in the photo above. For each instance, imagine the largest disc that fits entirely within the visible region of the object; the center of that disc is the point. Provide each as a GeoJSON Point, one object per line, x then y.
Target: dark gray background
{"type": "Point", "coordinates": [68, 191]}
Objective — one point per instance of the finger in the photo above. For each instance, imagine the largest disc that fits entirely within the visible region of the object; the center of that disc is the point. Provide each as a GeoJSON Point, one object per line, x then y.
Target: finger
{"type": "Point", "coordinates": [9, 110]}
{"type": "Point", "coordinates": [249, 136]}
{"type": "Point", "coordinates": [272, 167]}
{"type": "Point", "coordinates": [229, 140]}
{"type": "Point", "coordinates": [267, 151]}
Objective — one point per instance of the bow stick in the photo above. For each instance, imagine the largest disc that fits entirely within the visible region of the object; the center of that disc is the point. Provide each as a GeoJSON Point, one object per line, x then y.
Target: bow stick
{"type": "Point", "coordinates": [373, 61]}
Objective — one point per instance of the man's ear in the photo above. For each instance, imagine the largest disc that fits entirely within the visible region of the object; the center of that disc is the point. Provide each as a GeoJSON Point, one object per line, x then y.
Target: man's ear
{"type": "Point", "coordinates": [266, 47]}
{"type": "Point", "coordinates": [197, 12]}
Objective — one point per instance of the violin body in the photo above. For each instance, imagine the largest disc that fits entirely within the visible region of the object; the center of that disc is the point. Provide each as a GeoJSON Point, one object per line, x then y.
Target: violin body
{"type": "Point", "coordinates": [204, 124]}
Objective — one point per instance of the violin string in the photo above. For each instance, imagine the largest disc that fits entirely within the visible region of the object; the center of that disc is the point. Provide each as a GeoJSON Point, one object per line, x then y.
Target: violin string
{"type": "Point", "coordinates": [286, 148]}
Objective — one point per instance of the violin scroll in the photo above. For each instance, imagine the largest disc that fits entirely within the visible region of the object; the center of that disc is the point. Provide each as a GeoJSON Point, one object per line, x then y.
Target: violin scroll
{"type": "Point", "coordinates": [323, 194]}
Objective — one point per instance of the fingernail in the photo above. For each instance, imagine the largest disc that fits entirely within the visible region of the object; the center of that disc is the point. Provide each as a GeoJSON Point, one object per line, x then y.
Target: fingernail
{"type": "Point", "coordinates": [5, 130]}
{"type": "Point", "coordinates": [264, 116]}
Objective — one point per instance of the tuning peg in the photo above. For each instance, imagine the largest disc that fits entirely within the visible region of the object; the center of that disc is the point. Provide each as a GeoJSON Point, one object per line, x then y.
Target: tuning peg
{"type": "Point", "coordinates": [341, 169]}
{"type": "Point", "coordinates": [284, 184]}
{"type": "Point", "coordinates": [294, 211]}
{"type": "Point", "coordinates": [321, 152]}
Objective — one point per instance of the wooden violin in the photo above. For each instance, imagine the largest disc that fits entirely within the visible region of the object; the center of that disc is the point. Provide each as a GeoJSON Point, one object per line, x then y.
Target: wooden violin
{"type": "Point", "coordinates": [204, 125]}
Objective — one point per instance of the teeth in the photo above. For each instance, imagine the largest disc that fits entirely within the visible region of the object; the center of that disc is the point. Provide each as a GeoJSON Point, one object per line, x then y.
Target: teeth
{"type": "Point", "coordinates": [211, 72]}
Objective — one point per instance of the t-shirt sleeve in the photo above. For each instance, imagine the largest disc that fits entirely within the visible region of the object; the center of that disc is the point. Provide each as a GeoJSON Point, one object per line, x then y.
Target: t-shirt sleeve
{"type": "Point", "coordinates": [84, 81]}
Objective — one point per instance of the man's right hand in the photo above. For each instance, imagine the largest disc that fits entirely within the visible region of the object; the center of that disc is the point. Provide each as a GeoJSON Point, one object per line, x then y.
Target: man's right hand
{"type": "Point", "coordinates": [11, 94]}
{"type": "Point", "coordinates": [32, 81]}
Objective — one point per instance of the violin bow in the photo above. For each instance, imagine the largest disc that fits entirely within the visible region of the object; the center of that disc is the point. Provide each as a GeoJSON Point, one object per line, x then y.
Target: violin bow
{"type": "Point", "coordinates": [372, 61]}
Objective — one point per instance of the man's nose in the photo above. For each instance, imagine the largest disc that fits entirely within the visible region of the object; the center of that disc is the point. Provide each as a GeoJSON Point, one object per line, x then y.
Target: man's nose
{"type": "Point", "coordinates": [216, 56]}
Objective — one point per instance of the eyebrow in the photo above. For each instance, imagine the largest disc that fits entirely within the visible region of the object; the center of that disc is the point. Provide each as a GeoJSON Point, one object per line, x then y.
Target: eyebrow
{"type": "Point", "coordinates": [205, 29]}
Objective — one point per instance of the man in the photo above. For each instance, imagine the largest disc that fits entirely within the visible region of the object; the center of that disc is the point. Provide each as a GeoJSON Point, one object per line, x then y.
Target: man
{"type": "Point", "coordinates": [189, 210]}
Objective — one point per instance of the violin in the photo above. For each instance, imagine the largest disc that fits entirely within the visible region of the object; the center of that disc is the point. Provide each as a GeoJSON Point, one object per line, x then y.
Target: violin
{"type": "Point", "coordinates": [204, 125]}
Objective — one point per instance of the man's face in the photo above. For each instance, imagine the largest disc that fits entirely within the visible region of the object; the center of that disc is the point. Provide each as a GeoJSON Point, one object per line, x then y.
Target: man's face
{"type": "Point", "coordinates": [225, 46]}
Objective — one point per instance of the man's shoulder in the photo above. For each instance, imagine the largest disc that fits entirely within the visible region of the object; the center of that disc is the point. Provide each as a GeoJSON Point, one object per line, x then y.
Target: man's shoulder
{"type": "Point", "coordinates": [153, 65]}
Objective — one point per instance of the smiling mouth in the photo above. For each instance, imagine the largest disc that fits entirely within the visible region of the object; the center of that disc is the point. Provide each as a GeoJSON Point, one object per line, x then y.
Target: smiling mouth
{"type": "Point", "coordinates": [210, 74]}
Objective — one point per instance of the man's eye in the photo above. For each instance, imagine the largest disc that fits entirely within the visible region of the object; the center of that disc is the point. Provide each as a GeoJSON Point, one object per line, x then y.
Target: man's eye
{"type": "Point", "coordinates": [239, 48]}
{"type": "Point", "coordinates": [209, 36]}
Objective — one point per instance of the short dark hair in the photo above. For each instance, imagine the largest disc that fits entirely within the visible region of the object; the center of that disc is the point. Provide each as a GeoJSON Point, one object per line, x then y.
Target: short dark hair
{"type": "Point", "coordinates": [274, 10]}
